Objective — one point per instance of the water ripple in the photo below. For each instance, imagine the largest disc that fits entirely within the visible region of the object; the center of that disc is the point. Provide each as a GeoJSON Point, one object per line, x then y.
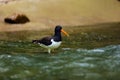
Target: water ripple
{"type": "Point", "coordinates": [69, 64]}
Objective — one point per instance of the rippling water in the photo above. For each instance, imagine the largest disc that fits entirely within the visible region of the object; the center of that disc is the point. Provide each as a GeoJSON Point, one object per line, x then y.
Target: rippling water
{"type": "Point", "coordinates": [26, 62]}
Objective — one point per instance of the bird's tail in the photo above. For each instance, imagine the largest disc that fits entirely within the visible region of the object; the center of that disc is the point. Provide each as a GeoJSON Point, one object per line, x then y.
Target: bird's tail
{"type": "Point", "coordinates": [34, 41]}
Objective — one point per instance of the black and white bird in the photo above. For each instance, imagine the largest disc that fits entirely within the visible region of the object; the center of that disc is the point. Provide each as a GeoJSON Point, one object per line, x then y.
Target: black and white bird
{"type": "Point", "coordinates": [52, 42]}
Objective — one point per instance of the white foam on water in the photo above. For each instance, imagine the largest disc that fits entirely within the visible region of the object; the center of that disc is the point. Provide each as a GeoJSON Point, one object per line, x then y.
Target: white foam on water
{"type": "Point", "coordinates": [98, 50]}
{"type": "Point", "coordinates": [80, 64]}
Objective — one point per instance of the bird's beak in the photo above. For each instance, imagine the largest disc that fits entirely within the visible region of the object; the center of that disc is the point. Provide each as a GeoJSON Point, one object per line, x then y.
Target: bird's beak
{"type": "Point", "coordinates": [65, 32]}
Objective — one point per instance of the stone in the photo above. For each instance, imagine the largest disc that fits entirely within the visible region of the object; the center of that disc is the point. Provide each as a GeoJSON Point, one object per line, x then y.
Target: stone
{"type": "Point", "coordinates": [17, 19]}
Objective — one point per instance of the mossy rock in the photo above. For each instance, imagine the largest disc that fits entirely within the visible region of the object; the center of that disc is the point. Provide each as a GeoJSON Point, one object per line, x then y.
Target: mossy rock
{"type": "Point", "coordinates": [17, 19]}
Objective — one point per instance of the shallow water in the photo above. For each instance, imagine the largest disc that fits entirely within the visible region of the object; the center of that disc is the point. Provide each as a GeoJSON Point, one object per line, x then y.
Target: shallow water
{"type": "Point", "coordinates": [24, 61]}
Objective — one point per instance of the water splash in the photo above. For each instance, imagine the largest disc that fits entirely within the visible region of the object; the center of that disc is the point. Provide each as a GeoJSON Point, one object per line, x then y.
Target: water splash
{"type": "Point", "coordinates": [69, 64]}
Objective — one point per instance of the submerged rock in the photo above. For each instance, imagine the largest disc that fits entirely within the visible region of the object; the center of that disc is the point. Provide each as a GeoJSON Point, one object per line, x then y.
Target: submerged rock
{"type": "Point", "coordinates": [17, 19]}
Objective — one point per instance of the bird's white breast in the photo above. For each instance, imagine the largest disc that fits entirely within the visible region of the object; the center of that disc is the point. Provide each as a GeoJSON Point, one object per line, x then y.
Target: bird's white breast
{"type": "Point", "coordinates": [53, 45]}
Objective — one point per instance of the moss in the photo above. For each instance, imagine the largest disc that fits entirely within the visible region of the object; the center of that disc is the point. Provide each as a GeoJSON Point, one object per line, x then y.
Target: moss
{"type": "Point", "coordinates": [88, 36]}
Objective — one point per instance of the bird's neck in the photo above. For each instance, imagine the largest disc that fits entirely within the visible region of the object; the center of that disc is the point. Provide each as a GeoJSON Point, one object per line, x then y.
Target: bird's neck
{"type": "Point", "coordinates": [57, 36]}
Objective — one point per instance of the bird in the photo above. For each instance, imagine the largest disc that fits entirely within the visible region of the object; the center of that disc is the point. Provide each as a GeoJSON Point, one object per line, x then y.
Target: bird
{"type": "Point", "coordinates": [52, 42]}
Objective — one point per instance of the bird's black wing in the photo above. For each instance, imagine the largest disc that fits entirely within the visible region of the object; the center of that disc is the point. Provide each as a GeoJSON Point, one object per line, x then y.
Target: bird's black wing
{"type": "Point", "coordinates": [45, 41]}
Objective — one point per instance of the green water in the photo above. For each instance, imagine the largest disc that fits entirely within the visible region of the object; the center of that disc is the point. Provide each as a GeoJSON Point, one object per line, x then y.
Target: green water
{"type": "Point", "coordinates": [25, 61]}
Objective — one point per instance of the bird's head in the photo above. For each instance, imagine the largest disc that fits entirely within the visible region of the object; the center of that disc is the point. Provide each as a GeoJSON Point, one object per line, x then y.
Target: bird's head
{"type": "Point", "coordinates": [58, 28]}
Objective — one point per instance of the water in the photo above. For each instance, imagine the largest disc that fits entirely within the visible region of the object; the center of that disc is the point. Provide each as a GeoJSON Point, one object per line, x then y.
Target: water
{"type": "Point", "coordinates": [24, 61]}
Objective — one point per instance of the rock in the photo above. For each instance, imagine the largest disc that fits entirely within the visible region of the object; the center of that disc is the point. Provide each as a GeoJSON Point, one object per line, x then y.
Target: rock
{"type": "Point", "coordinates": [5, 1]}
{"type": "Point", "coordinates": [17, 19]}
